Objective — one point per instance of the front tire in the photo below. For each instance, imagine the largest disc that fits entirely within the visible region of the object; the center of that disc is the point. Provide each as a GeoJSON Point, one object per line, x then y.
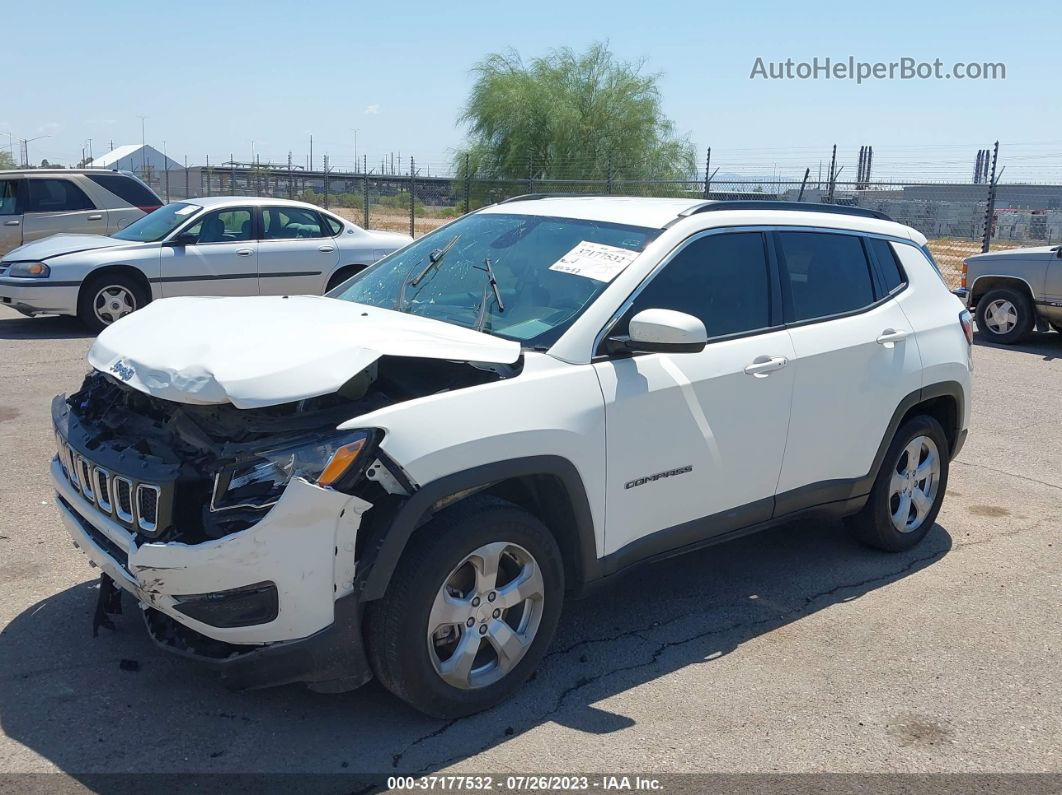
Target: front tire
{"type": "Point", "coordinates": [1005, 316]}
{"type": "Point", "coordinates": [470, 610]}
{"type": "Point", "coordinates": [109, 297]}
{"type": "Point", "coordinates": [909, 489]}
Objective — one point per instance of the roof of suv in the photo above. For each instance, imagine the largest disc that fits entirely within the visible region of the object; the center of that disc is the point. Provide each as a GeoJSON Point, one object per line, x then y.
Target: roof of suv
{"type": "Point", "coordinates": [68, 172]}
{"type": "Point", "coordinates": [660, 213]}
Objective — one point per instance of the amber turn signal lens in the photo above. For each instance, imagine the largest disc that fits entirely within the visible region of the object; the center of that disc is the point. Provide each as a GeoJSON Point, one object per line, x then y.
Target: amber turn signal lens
{"type": "Point", "coordinates": [340, 462]}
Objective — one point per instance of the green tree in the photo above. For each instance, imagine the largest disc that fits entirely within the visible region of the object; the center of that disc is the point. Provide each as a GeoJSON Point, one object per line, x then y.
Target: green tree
{"type": "Point", "coordinates": [569, 116]}
{"type": "Point", "coordinates": [6, 161]}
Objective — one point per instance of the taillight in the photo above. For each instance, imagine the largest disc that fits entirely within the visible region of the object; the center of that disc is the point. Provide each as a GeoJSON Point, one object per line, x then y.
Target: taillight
{"type": "Point", "coordinates": [150, 208]}
{"type": "Point", "coordinates": [962, 282]}
{"type": "Point", "coordinates": [966, 321]}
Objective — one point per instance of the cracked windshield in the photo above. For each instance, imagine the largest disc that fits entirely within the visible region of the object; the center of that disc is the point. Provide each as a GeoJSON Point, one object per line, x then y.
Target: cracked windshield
{"type": "Point", "coordinates": [522, 277]}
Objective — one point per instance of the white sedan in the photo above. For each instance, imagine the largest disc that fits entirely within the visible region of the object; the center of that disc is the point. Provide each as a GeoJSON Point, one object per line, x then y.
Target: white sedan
{"type": "Point", "coordinates": [217, 246]}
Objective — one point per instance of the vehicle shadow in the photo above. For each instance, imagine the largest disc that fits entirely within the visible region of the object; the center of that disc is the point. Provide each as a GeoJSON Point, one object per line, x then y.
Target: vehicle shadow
{"type": "Point", "coordinates": [116, 704]}
{"type": "Point", "coordinates": [56, 327]}
{"type": "Point", "coordinates": [1044, 343]}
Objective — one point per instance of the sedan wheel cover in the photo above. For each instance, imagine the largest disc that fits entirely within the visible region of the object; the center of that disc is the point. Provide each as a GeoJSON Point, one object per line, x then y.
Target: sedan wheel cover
{"type": "Point", "coordinates": [1001, 316]}
{"type": "Point", "coordinates": [113, 302]}
{"type": "Point", "coordinates": [914, 484]}
{"type": "Point", "coordinates": [486, 615]}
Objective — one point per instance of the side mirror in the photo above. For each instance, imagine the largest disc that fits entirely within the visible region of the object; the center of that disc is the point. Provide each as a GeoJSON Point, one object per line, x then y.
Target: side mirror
{"type": "Point", "coordinates": [183, 240]}
{"type": "Point", "coordinates": [661, 331]}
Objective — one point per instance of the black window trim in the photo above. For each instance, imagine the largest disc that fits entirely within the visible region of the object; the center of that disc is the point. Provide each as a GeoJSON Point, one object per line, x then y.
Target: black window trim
{"type": "Point", "coordinates": [769, 231]}
{"type": "Point", "coordinates": [325, 215]}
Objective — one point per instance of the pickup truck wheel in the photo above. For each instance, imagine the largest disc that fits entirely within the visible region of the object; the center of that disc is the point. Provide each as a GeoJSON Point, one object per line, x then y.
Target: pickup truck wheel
{"type": "Point", "coordinates": [107, 298]}
{"type": "Point", "coordinates": [470, 611]}
{"type": "Point", "coordinates": [1004, 316]}
{"type": "Point", "coordinates": [909, 489]}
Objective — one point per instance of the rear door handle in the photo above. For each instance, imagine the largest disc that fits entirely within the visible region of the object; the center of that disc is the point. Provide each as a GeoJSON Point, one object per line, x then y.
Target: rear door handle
{"type": "Point", "coordinates": [762, 366]}
{"type": "Point", "coordinates": [244, 252]}
{"type": "Point", "coordinates": [891, 335]}
{"type": "Point", "coordinates": [16, 222]}
{"type": "Point", "coordinates": [95, 217]}
{"type": "Point", "coordinates": [326, 249]}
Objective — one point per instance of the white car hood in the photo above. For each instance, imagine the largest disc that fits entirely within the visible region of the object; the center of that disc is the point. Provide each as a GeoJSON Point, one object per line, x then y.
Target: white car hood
{"type": "Point", "coordinates": [262, 351]}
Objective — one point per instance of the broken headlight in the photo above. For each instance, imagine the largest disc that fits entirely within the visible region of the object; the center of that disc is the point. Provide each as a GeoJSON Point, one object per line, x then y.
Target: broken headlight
{"type": "Point", "coordinates": [258, 481]}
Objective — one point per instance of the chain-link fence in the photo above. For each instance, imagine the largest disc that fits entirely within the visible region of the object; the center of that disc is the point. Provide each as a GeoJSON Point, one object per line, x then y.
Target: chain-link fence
{"type": "Point", "coordinates": [958, 218]}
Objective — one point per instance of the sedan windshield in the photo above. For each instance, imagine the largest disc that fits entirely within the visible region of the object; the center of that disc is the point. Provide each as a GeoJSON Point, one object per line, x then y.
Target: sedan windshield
{"type": "Point", "coordinates": [522, 277]}
{"type": "Point", "coordinates": [155, 226]}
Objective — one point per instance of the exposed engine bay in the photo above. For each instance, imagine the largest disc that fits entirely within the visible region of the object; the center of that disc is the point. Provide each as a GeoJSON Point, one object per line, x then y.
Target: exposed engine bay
{"type": "Point", "coordinates": [196, 452]}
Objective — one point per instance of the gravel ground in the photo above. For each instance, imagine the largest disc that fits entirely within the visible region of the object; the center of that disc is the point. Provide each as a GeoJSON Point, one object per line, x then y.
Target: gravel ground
{"type": "Point", "coordinates": [792, 651]}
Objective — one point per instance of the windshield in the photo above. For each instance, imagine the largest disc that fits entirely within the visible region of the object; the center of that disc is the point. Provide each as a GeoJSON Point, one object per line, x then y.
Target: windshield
{"type": "Point", "coordinates": [522, 277]}
{"type": "Point", "coordinates": [155, 226]}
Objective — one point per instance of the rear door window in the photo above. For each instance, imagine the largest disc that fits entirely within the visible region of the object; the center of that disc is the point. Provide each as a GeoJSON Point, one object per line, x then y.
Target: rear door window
{"type": "Point", "coordinates": [288, 223]}
{"type": "Point", "coordinates": [55, 196]}
{"type": "Point", "coordinates": [823, 274]}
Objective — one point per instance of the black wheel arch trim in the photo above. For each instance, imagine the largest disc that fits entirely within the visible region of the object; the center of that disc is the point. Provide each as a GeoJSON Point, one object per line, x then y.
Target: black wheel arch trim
{"type": "Point", "coordinates": [842, 496]}
{"type": "Point", "coordinates": [381, 560]}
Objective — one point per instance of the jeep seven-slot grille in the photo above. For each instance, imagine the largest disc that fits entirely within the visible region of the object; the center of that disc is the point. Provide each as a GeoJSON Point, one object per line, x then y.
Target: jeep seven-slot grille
{"type": "Point", "coordinates": [132, 503]}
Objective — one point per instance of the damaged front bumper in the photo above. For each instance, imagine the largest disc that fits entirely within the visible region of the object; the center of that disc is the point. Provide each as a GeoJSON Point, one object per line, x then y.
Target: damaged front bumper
{"type": "Point", "coordinates": [286, 583]}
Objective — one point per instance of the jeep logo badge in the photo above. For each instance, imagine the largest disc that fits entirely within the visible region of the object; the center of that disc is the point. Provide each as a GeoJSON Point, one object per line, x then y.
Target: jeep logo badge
{"type": "Point", "coordinates": [122, 370]}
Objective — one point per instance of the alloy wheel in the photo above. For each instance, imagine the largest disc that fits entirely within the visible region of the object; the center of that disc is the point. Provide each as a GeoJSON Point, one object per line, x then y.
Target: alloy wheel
{"type": "Point", "coordinates": [486, 615]}
{"type": "Point", "coordinates": [113, 302]}
{"type": "Point", "coordinates": [1001, 316]}
{"type": "Point", "coordinates": [914, 484]}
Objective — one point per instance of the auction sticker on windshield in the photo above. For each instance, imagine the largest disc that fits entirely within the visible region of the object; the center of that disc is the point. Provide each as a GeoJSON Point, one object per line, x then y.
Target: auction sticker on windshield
{"type": "Point", "coordinates": [595, 261]}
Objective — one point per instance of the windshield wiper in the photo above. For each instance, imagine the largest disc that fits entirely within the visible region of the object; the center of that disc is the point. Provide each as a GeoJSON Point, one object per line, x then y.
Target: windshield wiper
{"type": "Point", "coordinates": [481, 319]}
{"type": "Point", "coordinates": [433, 261]}
{"type": "Point", "coordinates": [434, 258]}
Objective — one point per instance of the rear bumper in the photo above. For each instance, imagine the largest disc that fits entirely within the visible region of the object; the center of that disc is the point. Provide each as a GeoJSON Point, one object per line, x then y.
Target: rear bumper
{"type": "Point", "coordinates": [304, 546]}
{"type": "Point", "coordinates": [39, 296]}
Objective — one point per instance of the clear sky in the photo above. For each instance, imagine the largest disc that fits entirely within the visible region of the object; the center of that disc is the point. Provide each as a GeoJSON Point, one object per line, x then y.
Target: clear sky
{"type": "Point", "coordinates": [215, 78]}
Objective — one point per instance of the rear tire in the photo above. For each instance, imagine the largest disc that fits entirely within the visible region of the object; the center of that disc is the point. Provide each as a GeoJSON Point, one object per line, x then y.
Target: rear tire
{"type": "Point", "coordinates": [909, 489]}
{"type": "Point", "coordinates": [447, 637]}
{"type": "Point", "coordinates": [1005, 316]}
{"type": "Point", "coordinates": [108, 297]}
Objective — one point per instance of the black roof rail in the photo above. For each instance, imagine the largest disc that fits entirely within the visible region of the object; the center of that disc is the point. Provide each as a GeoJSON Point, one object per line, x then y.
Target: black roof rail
{"type": "Point", "coordinates": [527, 197]}
{"type": "Point", "coordinates": [773, 204]}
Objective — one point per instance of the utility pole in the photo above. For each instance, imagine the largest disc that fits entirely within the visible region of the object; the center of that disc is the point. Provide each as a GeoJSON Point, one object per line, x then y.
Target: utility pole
{"type": "Point", "coordinates": [311, 152]}
{"type": "Point", "coordinates": [412, 197]}
{"type": "Point", "coordinates": [143, 148]}
{"type": "Point", "coordinates": [833, 176]}
{"type": "Point", "coordinates": [707, 171]}
{"type": "Point", "coordinates": [90, 150]}
{"type": "Point", "coordinates": [166, 165]}
{"type": "Point", "coordinates": [355, 148]}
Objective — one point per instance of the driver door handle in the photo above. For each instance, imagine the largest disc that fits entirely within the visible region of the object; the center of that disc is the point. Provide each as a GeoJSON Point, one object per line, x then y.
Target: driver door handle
{"type": "Point", "coordinates": [891, 335]}
{"type": "Point", "coordinates": [95, 217]}
{"type": "Point", "coordinates": [16, 222]}
{"type": "Point", "coordinates": [326, 249]}
{"type": "Point", "coordinates": [244, 252]}
{"type": "Point", "coordinates": [762, 366]}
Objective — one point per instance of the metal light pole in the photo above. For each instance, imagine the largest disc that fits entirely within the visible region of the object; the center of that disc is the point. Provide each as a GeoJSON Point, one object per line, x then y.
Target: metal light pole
{"type": "Point", "coordinates": [25, 148]}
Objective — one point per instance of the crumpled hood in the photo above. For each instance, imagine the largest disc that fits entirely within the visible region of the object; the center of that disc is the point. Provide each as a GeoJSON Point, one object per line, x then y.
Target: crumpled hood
{"type": "Point", "coordinates": [57, 245]}
{"type": "Point", "coordinates": [266, 350]}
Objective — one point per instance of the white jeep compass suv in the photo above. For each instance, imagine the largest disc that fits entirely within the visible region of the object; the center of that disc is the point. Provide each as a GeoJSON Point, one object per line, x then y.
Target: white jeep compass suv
{"type": "Point", "coordinates": [407, 477]}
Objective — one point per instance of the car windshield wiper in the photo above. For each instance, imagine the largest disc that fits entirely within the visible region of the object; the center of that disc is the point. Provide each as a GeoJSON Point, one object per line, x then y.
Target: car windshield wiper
{"type": "Point", "coordinates": [434, 258]}
{"type": "Point", "coordinates": [481, 318]}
